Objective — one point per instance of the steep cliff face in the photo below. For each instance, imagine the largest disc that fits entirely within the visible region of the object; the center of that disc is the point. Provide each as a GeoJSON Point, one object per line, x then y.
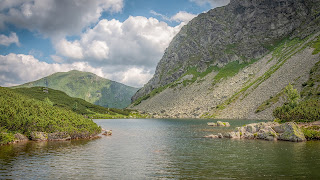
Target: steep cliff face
{"type": "Point", "coordinates": [242, 31]}
{"type": "Point", "coordinates": [234, 61]}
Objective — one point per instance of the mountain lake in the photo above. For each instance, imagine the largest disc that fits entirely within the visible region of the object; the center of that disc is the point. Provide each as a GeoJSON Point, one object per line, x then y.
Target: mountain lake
{"type": "Point", "coordinates": [161, 149]}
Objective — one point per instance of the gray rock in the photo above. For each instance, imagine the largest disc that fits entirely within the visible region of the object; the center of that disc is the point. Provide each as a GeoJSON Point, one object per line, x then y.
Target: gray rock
{"type": "Point", "coordinates": [107, 133]}
{"type": "Point", "coordinates": [267, 134]}
{"type": "Point", "coordinates": [20, 137]}
{"type": "Point", "coordinates": [212, 136]}
{"type": "Point", "coordinates": [292, 132]}
{"type": "Point", "coordinates": [251, 128]}
{"type": "Point", "coordinates": [212, 124]}
{"type": "Point", "coordinates": [269, 131]}
{"type": "Point", "coordinates": [39, 136]}
{"type": "Point", "coordinates": [278, 128]}
{"type": "Point", "coordinates": [247, 135]}
{"type": "Point", "coordinates": [219, 123]}
{"type": "Point", "coordinates": [59, 136]}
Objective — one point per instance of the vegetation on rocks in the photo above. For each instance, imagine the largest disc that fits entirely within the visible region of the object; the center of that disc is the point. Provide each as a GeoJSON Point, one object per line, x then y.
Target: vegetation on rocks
{"type": "Point", "coordinates": [231, 69]}
{"type": "Point", "coordinates": [311, 133]}
{"type": "Point", "coordinates": [5, 136]}
{"type": "Point", "coordinates": [19, 113]}
{"type": "Point", "coordinates": [308, 108]}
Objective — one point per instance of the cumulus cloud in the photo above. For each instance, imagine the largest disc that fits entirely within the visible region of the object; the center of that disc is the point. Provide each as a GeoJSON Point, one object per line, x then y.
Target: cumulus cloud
{"type": "Point", "coordinates": [134, 76]}
{"type": "Point", "coordinates": [213, 3]}
{"type": "Point", "coordinates": [69, 49]}
{"type": "Point", "coordinates": [138, 41]}
{"type": "Point", "coordinates": [181, 16]}
{"type": "Point", "coordinates": [55, 18]}
{"type": "Point", "coordinates": [11, 39]}
{"type": "Point", "coordinates": [17, 69]}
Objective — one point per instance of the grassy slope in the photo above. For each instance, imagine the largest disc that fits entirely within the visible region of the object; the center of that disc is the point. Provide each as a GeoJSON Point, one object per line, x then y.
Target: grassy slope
{"type": "Point", "coordinates": [61, 99]}
{"type": "Point", "coordinates": [89, 87]}
{"type": "Point", "coordinates": [19, 113]}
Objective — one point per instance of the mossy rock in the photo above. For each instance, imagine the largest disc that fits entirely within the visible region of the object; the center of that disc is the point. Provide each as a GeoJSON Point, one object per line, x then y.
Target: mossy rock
{"type": "Point", "coordinates": [292, 132]}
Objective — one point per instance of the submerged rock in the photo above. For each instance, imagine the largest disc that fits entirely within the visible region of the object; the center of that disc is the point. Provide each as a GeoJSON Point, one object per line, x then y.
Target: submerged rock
{"type": "Point", "coordinates": [107, 133]}
{"type": "Point", "coordinates": [212, 136]}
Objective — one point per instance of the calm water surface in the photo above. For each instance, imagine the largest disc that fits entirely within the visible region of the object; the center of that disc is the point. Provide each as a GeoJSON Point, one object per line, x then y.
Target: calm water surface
{"type": "Point", "coordinates": [161, 149]}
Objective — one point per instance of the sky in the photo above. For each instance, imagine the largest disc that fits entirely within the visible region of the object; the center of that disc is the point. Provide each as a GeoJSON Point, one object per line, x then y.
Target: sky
{"type": "Point", "coordinates": [121, 40]}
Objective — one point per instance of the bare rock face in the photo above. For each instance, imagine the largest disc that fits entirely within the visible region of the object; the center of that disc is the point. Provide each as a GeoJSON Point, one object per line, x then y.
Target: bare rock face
{"type": "Point", "coordinates": [242, 30]}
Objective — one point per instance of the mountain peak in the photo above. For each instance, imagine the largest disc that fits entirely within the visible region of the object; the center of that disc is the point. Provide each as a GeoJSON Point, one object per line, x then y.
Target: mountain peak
{"type": "Point", "coordinates": [88, 86]}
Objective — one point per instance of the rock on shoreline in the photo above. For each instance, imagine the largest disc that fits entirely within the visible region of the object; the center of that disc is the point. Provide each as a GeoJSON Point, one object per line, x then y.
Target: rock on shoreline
{"type": "Point", "coordinates": [219, 123]}
{"type": "Point", "coordinates": [270, 131]}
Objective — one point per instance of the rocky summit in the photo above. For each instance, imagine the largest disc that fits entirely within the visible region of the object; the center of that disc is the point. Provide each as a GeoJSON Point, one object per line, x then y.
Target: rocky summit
{"type": "Point", "coordinates": [233, 59]}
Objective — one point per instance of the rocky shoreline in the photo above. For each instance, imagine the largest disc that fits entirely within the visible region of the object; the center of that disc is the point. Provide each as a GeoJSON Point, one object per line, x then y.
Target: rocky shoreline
{"type": "Point", "coordinates": [58, 136]}
{"type": "Point", "coordinates": [270, 131]}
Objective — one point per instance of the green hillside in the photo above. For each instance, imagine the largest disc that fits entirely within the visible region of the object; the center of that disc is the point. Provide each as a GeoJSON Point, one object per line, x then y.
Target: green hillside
{"type": "Point", "coordinates": [60, 99]}
{"type": "Point", "coordinates": [89, 87]}
{"type": "Point", "coordinates": [19, 113]}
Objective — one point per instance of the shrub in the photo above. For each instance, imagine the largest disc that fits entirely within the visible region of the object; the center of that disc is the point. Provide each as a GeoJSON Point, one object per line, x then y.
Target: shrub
{"type": "Point", "coordinates": [311, 133]}
{"type": "Point", "coordinates": [22, 114]}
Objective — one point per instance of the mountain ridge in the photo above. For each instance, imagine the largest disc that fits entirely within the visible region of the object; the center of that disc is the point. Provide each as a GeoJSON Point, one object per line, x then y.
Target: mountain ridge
{"type": "Point", "coordinates": [228, 62]}
{"type": "Point", "coordinates": [242, 30]}
{"type": "Point", "coordinates": [87, 86]}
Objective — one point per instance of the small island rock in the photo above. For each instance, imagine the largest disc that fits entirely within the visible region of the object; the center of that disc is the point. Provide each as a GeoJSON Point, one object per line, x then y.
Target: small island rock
{"type": "Point", "coordinates": [219, 123]}
{"type": "Point", "coordinates": [270, 131]}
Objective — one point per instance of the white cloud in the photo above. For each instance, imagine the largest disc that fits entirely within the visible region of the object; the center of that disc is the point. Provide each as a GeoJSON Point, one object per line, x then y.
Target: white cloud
{"type": "Point", "coordinates": [55, 18]}
{"type": "Point", "coordinates": [138, 41]}
{"type": "Point", "coordinates": [69, 49]}
{"type": "Point", "coordinates": [11, 39]}
{"type": "Point", "coordinates": [181, 16]}
{"type": "Point", "coordinates": [57, 59]}
{"type": "Point", "coordinates": [98, 49]}
{"type": "Point", "coordinates": [213, 3]}
{"type": "Point", "coordinates": [135, 77]}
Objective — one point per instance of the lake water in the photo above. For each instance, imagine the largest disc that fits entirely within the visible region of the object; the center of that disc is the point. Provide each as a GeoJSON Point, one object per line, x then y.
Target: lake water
{"type": "Point", "coordinates": [161, 149]}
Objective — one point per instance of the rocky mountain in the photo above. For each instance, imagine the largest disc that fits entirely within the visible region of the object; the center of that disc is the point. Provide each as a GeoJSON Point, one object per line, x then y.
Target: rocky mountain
{"type": "Point", "coordinates": [88, 86]}
{"type": "Point", "coordinates": [229, 61]}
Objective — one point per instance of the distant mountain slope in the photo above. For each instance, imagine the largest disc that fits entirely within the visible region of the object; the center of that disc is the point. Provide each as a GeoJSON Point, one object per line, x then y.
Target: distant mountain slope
{"type": "Point", "coordinates": [60, 99]}
{"type": "Point", "coordinates": [88, 86]}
